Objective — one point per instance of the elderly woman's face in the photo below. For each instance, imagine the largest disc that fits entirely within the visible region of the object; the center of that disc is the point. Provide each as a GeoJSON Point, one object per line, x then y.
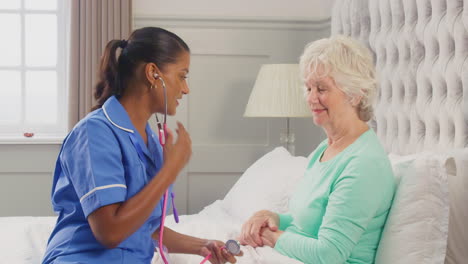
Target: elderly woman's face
{"type": "Point", "coordinates": [329, 105]}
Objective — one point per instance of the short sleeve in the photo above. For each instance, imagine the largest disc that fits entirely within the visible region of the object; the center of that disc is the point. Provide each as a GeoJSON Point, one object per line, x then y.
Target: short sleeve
{"type": "Point", "coordinates": [92, 159]}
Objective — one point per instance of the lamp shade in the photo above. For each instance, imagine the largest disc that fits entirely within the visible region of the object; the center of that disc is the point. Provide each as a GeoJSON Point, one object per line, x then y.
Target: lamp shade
{"type": "Point", "coordinates": [277, 93]}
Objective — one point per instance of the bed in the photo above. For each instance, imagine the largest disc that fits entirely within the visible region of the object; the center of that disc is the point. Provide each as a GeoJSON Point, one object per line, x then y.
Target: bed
{"type": "Point", "coordinates": [421, 50]}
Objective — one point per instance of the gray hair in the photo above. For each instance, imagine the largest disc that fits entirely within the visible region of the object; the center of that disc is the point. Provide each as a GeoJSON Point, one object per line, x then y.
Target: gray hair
{"type": "Point", "coordinates": [349, 63]}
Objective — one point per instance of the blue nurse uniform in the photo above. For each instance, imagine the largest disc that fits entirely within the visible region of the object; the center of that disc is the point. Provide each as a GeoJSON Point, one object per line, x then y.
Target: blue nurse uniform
{"type": "Point", "coordinates": [102, 161]}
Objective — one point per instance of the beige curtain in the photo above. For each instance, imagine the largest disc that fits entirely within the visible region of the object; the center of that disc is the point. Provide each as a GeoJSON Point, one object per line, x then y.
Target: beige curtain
{"type": "Point", "coordinates": [93, 24]}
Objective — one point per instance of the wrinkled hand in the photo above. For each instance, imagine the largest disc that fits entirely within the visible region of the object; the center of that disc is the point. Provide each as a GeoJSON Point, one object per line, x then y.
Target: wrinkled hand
{"type": "Point", "coordinates": [269, 237]}
{"type": "Point", "coordinates": [218, 253]}
{"type": "Point", "coordinates": [177, 155]}
{"type": "Point", "coordinates": [250, 233]}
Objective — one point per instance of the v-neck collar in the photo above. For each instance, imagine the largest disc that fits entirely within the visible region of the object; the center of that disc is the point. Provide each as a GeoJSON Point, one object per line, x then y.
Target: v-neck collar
{"type": "Point", "coordinates": [118, 116]}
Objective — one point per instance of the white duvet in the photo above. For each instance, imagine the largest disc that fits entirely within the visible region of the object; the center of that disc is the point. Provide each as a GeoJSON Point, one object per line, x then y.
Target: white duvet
{"type": "Point", "coordinates": [23, 239]}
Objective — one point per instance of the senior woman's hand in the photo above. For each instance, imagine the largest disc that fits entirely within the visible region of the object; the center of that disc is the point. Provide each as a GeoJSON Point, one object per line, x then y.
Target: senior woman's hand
{"type": "Point", "coordinates": [250, 233]}
{"type": "Point", "coordinates": [269, 237]}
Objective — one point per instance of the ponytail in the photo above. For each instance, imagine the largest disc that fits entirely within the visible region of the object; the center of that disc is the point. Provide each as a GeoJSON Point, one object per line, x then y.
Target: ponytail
{"type": "Point", "coordinates": [109, 81]}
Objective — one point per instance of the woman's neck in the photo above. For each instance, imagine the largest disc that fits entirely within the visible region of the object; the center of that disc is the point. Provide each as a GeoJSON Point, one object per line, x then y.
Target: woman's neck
{"type": "Point", "coordinates": [339, 137]}
{"type": "Point", "coordinates": [136, 110]}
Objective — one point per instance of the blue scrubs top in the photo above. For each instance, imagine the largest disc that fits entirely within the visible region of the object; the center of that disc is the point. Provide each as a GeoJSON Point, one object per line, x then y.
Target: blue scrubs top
{"type": "Point", "coordinates": [100, 164]}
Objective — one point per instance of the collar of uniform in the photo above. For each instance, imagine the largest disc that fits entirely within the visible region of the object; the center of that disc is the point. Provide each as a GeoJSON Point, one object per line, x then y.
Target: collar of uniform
{"type": "Point", "coordinates": [117, 115]}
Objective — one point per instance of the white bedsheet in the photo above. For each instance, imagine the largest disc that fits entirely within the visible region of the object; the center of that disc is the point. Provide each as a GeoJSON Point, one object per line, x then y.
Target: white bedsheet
{"type": "Point", "coordinates": [23, 239]}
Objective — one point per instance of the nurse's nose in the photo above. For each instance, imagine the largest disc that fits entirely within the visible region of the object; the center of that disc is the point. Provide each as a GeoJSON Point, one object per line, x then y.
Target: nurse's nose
{"type": "Point", "coordinates": [185, 88]}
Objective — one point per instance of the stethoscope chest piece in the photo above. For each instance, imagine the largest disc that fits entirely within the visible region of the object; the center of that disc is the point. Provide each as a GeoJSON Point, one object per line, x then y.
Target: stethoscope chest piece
{"type": "Point", "coordinates": [233, 246]}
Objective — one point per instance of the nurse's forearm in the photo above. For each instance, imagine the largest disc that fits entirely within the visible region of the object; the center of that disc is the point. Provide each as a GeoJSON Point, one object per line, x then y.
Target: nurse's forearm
{"type": "Point", "coordinates": [180, 243]}
{"type": "Point", "coordinates": [113, 223]}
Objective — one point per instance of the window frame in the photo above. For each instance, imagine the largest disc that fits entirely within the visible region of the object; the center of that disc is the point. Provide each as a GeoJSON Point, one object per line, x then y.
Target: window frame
{"type": "Point", "coordinates": [50, 133]}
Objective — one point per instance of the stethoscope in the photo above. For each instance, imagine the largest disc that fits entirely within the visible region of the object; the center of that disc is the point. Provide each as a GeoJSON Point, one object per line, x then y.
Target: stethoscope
{"type": "Point", "coordinates": [232, 246]}
{"type": "Point", "coordinates": [162, 131]}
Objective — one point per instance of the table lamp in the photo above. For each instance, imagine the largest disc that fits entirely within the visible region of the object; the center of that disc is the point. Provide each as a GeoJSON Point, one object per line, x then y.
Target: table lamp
{"type": "Point", "coordinates": [278, 92]}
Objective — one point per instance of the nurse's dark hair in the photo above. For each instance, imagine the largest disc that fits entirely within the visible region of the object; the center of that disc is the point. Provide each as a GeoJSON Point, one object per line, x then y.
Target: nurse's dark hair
{"type": "Point", "coordinates": [145, 45]}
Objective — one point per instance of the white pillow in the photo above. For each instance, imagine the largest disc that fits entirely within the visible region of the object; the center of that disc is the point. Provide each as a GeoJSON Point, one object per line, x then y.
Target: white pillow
{"type": "Point", "coordinates": [267, 184]}
{"type": "Point", "coordinates": [417, 226]}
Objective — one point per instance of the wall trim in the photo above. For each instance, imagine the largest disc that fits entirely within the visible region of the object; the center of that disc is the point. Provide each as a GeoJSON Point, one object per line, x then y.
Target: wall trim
{"type": "Point", "coordinates": [231, 22]}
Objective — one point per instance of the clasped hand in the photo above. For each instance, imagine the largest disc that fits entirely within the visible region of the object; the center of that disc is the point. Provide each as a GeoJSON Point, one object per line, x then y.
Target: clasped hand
{"type": "Point", "coordinates": [261, 230]}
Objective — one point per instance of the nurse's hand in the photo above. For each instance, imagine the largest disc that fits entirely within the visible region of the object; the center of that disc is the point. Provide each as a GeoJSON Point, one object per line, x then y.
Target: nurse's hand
{"type": "Point", "coordinates": [251, 230]}
{"type": "Point", "coordinates": [218, 253]}
{"type": "Point", "coordinates": [177, 155]}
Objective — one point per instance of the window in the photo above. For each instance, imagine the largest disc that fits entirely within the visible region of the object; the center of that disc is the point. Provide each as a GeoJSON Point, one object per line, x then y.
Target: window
{"type": "Point", "coordinates": [33, 69]}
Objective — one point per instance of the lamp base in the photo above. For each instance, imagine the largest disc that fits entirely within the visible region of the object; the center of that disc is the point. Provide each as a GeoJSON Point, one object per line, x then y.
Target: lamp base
{"type": "Point", "coordinates": [287, 141]}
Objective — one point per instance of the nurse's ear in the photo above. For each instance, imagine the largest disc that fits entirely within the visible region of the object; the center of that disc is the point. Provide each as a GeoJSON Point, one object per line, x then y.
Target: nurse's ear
{"type": "Point", "coordinates": [152, 73]}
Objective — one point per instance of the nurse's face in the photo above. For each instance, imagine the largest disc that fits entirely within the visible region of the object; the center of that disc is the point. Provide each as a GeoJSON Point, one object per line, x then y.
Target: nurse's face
{"type": "Point", "coordinates": [175, 77]}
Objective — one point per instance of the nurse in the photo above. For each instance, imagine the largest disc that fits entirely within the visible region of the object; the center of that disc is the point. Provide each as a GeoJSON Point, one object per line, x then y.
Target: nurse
{"type": "Point", "coordinates": [112, 172]}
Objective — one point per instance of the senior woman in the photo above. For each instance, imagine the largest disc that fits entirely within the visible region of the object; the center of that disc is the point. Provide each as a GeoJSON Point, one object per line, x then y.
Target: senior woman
{"type": "Point", "coordinates": [338, 210]}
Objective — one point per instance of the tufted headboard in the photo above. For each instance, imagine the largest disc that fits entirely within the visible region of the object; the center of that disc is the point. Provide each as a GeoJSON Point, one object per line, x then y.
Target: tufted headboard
{"type": "Point", "coordinates": [420, 48]}
{"type": "Point", "coordinates": [421, 52]}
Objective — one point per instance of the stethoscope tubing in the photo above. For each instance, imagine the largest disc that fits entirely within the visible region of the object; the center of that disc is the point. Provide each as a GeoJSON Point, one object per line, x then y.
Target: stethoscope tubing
{"type": "Point", "coordinates": [162, 140]}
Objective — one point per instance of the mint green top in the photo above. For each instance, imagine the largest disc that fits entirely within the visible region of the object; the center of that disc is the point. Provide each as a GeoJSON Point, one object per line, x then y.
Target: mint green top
{"type": "Point", "coordinates": [339, 208]}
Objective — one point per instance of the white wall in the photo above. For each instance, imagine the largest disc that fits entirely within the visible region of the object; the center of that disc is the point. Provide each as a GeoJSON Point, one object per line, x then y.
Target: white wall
{"type": "Point", "coordinates": [292, 9]}
{"type": "Point", "coordinates": [26, 179]}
